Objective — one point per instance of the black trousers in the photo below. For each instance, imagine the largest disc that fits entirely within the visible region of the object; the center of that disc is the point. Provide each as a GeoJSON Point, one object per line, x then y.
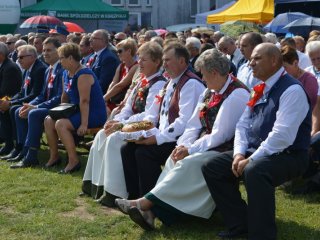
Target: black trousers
{"type": "Point", "coordinates": [142, 166]}
{"type": "Point", "coordinates": [260, 178]}
{"type": "Point", "coordinates": [8, 126]}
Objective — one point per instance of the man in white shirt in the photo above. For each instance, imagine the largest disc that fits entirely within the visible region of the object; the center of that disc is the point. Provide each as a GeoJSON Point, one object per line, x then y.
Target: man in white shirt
{"type": "Point", "coordinates": [142, 160]}
{"type": "Point", "coordinates": [227, 46]}
{"type": "Point", "coordinates": [271, 147]}
{"type": "Point", "coordinates": [248, 41]}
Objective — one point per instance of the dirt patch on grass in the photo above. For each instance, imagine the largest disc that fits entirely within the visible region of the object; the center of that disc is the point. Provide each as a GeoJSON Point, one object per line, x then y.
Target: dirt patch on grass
{"type": "Point", "coordinates": [81, 211]}
{"type": "Point", "coordinates": [7, 210]}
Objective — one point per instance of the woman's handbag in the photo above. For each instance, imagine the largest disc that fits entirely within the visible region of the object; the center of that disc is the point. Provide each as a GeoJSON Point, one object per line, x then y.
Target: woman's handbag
{"type": "Point", "coordinates": [64, 110]}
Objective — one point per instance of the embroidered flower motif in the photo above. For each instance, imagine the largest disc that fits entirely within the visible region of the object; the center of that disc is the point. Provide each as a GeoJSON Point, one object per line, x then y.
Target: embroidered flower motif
{"type": "Point", "coordinates": [214, 101]}
{"type": "Point", "coordinates": [144, 85]}
{"type": "Point", "coordinates": [160, 96]}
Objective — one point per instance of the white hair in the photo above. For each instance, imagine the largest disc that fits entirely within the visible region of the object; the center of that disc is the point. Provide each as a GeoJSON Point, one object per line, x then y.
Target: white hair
{"type": "Point", "coordinates": [194, 41]}
{"type": "Point", "coordinates": [271, 38]}
{"type": "Point", "coordinates": [313, 46]}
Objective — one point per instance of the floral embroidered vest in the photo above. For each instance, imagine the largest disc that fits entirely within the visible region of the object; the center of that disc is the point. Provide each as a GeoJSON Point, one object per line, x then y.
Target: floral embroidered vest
{"type": "Point", "coordinates": [139, 96]}
{"type": "Point", "coordinates": [174, 102]}
{"type": "Point", "coordinates": [210, 108]}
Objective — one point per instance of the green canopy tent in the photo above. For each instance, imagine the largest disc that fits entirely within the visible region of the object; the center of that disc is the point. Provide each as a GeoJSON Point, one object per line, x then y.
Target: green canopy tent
{"type": "Point", "coordinates": [90, 14]}
{"type": "Point", "coordinates": [75, 9]}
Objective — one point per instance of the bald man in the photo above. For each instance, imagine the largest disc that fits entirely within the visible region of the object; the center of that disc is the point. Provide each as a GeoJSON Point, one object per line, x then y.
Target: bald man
{"type": "Point", "coordinates": [270, 147]}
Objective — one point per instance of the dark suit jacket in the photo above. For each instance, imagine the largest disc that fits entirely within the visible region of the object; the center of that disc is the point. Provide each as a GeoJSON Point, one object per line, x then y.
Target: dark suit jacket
{"type": "Point", "coordinates": [55, 92]}
{"type": "Point", "coordinates": [10, 78]}
{"type": "Point", "coordinates": [193, 68]}
{"type": "Point", "coordinates": [35, 86]}
{"type": "Point", "coordinates": [13, 55]}
{"type": "Point", "coordinates": [105, 68]}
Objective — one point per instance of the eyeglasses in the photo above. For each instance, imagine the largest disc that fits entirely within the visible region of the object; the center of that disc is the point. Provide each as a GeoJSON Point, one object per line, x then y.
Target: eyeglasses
{"type": "Point", "coordinates": [120, 50]}
{"type": "Point", "coordinates": [22, 57]}
{"type": "Point", "coordinates": [118, 39]}
{"type": "Point", "coordinates": [9, 43]}
{"type": "Point", "coordinates": [95, 38]}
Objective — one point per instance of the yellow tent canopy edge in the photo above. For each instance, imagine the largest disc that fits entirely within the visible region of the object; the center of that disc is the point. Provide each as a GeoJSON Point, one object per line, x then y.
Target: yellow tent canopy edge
{"type": "Point", "coordinates": [258, 11]}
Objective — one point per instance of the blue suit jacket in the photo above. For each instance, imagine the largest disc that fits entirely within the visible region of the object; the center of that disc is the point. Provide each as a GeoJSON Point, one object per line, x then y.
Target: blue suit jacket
{"type": "Point", "coordinates": [105, 68]}
{"type": "Point", "coordinates": [55, 93]}
{"type": "Point", "coordinates": [35, 86]}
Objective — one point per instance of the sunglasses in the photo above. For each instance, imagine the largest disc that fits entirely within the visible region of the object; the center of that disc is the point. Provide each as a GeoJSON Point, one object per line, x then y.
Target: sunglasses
{"type": "Point", "coordinates": [22, 57]}
{"type": "Point", "coordinates": [9, 43]}
{"type": "Point", "coordinates": [120, 51]}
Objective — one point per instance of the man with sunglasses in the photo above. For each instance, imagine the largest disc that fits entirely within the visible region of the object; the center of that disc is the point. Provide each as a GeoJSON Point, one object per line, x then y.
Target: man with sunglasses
{"type": "Point", "coordinates": [10, 83]}
{"type": "Point", "coordinates": [12, 52]}
{"type": "Point", "coordinates": [119, 37]}
{"type": "Point", "coordinates": [31, 87]}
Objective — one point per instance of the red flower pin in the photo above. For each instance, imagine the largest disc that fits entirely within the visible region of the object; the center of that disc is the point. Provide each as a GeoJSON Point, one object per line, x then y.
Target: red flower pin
{"type": "Point", "coordinates": [256, 94]}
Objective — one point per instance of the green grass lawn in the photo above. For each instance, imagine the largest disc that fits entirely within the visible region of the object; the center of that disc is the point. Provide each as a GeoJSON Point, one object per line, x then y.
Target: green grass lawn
{"type": "Point", "coordinates": [39, 204]}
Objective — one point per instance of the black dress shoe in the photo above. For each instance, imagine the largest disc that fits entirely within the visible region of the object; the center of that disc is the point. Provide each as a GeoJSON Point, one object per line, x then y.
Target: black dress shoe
{"type": "Point", "coordinates": [24, 164]}
{"type": "Point", "coordinates": [237, 233]}
{"type": "Point", "coordinates": [12, 154]}
{"type": "Point", "coordinates": [6, 149]}
{"type": "Point", "coordinates": [77, 167]}
{"type": "Point", "coordinates": [18, 158]}
{"type": "Point", "coordinates": [55, 163]}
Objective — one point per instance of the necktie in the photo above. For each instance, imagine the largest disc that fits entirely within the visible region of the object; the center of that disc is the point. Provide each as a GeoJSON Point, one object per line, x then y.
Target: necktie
{"type": "Point", "coordinates": [92, 61]}
{"type": "Point", "coordinates": [50, 82]}
{"type": "Point", "coordinates": [231, 57]}
{"type": "Point", "coordinates": [26, 82]}
{"type": "Point", "coordinates": [257, 94]}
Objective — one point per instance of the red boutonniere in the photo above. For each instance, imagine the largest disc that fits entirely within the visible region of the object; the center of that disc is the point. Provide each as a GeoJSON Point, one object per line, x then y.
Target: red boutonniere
{"type": "Point", "coordinates": [90, 62]}
{"type": "Point", "coordinates": [27, 82]}
{"type": "Point", "coordinates": [256, 94]}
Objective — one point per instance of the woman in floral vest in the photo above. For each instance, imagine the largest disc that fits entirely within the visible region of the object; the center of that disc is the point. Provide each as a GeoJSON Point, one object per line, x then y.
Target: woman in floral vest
{"type": "Point", "coordinates": [104, 171]}
{"type": "Point", "coordinates": [181, 188]}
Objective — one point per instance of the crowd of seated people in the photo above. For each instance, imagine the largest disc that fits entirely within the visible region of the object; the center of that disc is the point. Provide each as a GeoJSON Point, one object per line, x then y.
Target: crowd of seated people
{"type": "Point", "coordinates": [222, 110]}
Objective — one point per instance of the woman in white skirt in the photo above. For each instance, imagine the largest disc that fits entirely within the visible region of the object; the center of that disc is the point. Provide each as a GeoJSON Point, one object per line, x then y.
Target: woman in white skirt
{"type": "Point", "coordinates": [181, 188]}
{"type": "Point", "coordinates": [104, 171]}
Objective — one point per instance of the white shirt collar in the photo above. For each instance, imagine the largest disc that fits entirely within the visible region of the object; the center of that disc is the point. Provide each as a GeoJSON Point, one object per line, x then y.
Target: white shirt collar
{"type": "Point", "coordinates": [99, 52]}
{"type": "Point", "coordinates": [54, 66]}
{"type": "Point", "coordinates": [154, 75]}
{"type": "Point", "coordinates": [30, 68]}
{"type": "Point", "coordinates": [273, 79]}
{"type": "Point", "coordinates": [178, 78]}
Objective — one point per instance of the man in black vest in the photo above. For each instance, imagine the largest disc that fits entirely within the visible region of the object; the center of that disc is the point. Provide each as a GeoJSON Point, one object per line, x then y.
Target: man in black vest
{"type": "Point", "coordinates": [142, 160]}
{"type": "Point", "coordinates": [270, 148]}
